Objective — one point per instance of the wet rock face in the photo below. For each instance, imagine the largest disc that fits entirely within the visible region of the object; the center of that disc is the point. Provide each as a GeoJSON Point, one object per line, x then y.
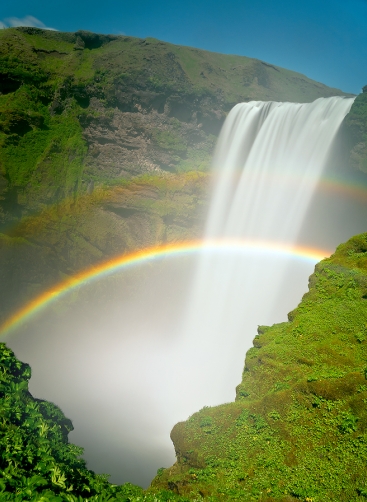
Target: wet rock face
{"type": "Point", "coordinates": [356, 126]}
{"type": "Point", "coordinates": [127, 143]}
{"type": "Point", "coordinates": [101, 224]}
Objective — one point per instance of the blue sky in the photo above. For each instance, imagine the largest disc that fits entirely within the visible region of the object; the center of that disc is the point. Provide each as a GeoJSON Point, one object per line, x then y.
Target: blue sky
{"type": "Point", "coordinates": [324, 39]}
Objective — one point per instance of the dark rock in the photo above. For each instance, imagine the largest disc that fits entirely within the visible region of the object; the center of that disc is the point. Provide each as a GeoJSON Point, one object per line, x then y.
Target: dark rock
{"type": "Point", "coordinates": [355, 125]}
{"type": "Point", "coordinates": [56, 107]}
{"type": "Point", "coordinates": [79, 44]}
{"type": "Point", "coordinates": [93, 40]}
{"type": "Point", "coordinates": [172, 486]}
{"type": "Point", "coordinates": [8, 84]}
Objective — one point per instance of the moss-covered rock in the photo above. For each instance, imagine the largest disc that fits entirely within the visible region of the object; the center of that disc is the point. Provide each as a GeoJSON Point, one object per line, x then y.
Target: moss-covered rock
{"type": "Point", "coordinates": [298, 428]}
{"type": "Point", "coordinates": [356, 125]}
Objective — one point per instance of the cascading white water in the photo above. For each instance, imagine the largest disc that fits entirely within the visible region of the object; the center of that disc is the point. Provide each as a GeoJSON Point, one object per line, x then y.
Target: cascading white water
{"type": "Point", "coordinates": [269, 159]}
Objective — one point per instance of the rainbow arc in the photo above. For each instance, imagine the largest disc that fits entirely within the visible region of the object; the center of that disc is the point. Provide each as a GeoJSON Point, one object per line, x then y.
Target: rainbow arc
{"type": "Point", "coordinates": [136, 258]}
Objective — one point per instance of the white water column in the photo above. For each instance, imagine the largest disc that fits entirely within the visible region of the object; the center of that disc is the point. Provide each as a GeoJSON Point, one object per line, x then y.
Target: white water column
{"type": "Point", "coordinates": [269, 159]}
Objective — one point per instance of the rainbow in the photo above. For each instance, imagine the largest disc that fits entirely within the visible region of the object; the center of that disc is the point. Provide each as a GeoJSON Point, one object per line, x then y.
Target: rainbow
{"type": "Point", "coordinates": [355, 190]}
{"type": "Point", "coordinates": [124, 261]}
{"type": "Point", "coordinates": [348, 189]}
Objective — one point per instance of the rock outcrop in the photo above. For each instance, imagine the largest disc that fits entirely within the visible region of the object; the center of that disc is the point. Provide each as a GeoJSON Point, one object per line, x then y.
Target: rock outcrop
{"type": "Point", "coordinates": [356, 127]}
{"type": "Point", "coordinates": [75, 234]}
{"type": "Point", "coordinates": [298, 428]}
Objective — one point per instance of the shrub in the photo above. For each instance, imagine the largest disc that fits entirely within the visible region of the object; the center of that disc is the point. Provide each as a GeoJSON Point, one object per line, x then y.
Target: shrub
{"type": "Point", "coordinates": [348, 423]}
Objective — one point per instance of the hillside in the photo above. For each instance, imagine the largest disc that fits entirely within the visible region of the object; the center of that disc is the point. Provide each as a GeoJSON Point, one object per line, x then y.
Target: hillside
{"type": "Point", "coordinates": [81, 114]}
{"type": "Point", "coordinates": [80, 109]}
{"type": "Point", "coordinates": [298, 428]}
{"type": "Point", "coordinates": [75, 234]}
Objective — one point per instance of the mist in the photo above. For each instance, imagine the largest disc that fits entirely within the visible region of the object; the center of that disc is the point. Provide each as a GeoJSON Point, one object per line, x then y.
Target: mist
{"type": "Point", "coordinates": [119, 358]}
{"type": "Point", "coordinates": [115, 360]}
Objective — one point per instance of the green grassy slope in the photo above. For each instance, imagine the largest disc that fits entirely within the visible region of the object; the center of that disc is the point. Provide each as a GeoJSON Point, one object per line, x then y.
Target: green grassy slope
{"type": "Point", "coordinates": [80, 107]}
{"type": "Point", "coordinates": [149, 63]}
{"type": "Point", "coordinates": [298, 428]}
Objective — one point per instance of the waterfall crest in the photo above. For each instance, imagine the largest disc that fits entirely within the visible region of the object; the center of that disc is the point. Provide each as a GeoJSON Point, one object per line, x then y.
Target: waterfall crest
{"type": "Point", "coordinates": [269, 159]}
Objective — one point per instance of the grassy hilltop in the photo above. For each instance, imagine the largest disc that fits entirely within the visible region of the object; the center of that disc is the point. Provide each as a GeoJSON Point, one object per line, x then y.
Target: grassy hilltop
{"type": "Point", "coordinates": [78, 109]}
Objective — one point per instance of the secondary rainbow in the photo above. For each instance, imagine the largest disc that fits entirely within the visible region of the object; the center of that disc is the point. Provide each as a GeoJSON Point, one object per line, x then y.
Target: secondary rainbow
{"type": "Point", "coordinates": [142, 256]}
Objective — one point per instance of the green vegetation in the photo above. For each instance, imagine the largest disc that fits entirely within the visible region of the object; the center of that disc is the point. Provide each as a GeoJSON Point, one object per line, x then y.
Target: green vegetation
{"type": "Point", "coordinates": [298, 428]}
{"type": "Point", "coordinates": [36, 461]}
{"type": "Point", "coordinates": [76, 107]}
{"type": "Point", "coordinates": [356, 124]}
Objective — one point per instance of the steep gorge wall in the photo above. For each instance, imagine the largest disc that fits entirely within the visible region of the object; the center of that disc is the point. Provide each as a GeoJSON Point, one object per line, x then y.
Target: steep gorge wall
{"type": "Point", "coordinates": [82, 113]}
{"type": "Point", "coordinates": [356, 127]}
{"type": "Point", "coordinates": [80, 109]}
{"type": "Point", "coordinates": [296, 432]}
{"type": "Point", "coordinates": [298, 427]}
{"type": "Point", "coordinates": [75, 234]}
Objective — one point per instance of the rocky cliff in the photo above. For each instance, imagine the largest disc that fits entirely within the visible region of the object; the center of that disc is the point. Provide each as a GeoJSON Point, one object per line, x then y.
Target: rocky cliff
{"type": "Point", "coordinates": [80, 109]}
{"type": "Point", "coordinates": [298, 428]}
{"type": "Point", "coordinates": [80, 115]}
{"type": "Point", "coordinates": [356, 127]}
{"type": "Point", "coordinates": [77, 233]}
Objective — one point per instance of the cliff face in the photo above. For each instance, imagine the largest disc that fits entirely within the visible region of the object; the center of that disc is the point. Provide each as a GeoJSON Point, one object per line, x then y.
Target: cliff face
{"type": "Point", "coordinates": [99, 136]}
{"type": "Point", "coordinates": [74, 234]}
{"type": "Point", "coordinates": [298, 428]}
{"type": "Point", "coordinates": [80, 114]}
{"type": "Point", "coordinates": [356, 126]}
{"type": "Point", "coordinates": [81, 108]}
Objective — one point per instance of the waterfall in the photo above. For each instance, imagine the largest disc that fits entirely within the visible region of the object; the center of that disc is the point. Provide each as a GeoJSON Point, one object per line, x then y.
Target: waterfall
{"type": "Point", "coordinates": [269, 159]}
